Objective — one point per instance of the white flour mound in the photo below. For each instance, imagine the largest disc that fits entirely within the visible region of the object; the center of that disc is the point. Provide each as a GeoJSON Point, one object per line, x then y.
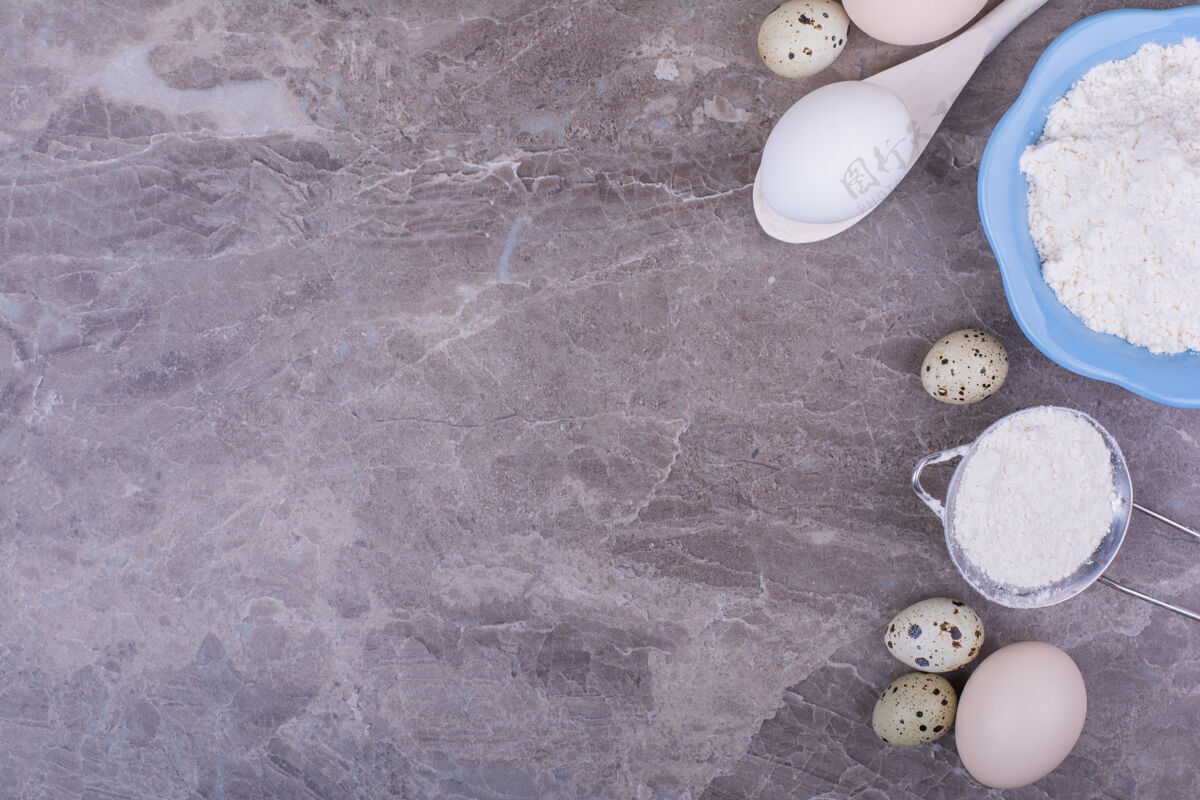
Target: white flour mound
{"type": "Point", "coordinates": [1114, 198]}
{"type": "Point", "coordinates": [1036, 497]}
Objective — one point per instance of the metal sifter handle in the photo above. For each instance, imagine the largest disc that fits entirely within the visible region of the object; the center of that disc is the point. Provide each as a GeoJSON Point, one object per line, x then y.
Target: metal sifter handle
{"type": "Point", "coordinates": [1142, 596]}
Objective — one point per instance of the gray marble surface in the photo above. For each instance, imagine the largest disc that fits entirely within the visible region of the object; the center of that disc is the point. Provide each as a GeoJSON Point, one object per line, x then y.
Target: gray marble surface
{"type": "Point", "coordinates": [399, 399]}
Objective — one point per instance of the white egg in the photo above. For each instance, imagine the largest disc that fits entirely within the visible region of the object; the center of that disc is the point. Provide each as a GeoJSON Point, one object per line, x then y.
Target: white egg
{"type": "Point", "coordinates": [802, 37]}
{"type": "Point", "coordinates": [914, 710]}
{"type": "Point", "coordinates": [935, 635]}
{"type": "Point", "coordinates": [964, 367]}
{"type": "Point", "coordinates": [911, 21]}
{"type": "Point", "coordinates": [836, 153]}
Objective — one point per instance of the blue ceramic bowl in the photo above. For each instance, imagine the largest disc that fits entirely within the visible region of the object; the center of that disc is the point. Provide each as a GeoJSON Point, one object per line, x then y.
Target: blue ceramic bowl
{"type": "Point", "coordinates": [1170, 379]}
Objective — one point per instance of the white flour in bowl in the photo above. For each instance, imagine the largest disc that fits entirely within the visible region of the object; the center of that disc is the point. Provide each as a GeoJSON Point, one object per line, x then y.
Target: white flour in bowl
{"type": "Point", "coordinates": [1114, 198]}
{"type": "Point", "coordinates": [1035, 498]}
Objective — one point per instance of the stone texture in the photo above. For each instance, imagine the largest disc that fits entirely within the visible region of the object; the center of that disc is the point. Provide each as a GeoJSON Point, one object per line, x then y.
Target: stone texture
{"type": "Point", "coordinates": [400, 400]}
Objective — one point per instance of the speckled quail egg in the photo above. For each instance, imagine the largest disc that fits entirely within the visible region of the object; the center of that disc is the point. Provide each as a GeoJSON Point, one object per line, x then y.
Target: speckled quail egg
{"type": "Point", "coordinates": [965, 367]}
{"type": "Point", "coordinates": [935, 635]}
{"type": "Point", "coordinates": [915, 709]}
{"type": "Point", "coordinates": [802, 37]}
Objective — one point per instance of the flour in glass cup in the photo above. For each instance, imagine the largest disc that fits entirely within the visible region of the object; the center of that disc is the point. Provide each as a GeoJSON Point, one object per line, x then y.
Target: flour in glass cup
{"type": "Point", "coordinates": [1035, 497]}
{"type": "Point", "coordinates": [1114, 198]}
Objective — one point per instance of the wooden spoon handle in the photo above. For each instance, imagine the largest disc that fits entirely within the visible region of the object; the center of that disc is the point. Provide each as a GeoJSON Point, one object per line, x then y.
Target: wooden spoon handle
{"type": "Point", "coordinates": [930, 83]}
{"type": "Point", "coordinates": [1000, 22]}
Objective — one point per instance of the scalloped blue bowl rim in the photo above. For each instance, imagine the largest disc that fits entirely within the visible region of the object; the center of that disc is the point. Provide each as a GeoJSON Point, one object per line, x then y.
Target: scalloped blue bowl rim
{"type": "Point", "coordinates": [1172, 380]}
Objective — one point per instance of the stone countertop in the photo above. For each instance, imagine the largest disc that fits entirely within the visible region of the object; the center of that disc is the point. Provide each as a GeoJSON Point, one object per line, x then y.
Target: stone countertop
{"type": "Point", "coordinates": [400, 400]}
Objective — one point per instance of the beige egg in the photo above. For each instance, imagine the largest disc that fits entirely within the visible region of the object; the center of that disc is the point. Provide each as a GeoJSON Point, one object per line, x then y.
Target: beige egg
{"type": "Point", "coordinates": [915, 709]}
{"type": "Point", "coordinates": [1021, 715]}
{"type": "Point", "coordinates": [965, 367]}
{"type": "Point", "coordinates": [802, 37]}
{"type": "Point", "coordinates": [935, 635]}
{"type": "Point", "coordinates": [911, 21]}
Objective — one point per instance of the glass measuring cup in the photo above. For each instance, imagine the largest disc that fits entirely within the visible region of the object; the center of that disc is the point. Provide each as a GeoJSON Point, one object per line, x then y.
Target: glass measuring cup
{"type": "Point", "coordinates": [1089, 572]}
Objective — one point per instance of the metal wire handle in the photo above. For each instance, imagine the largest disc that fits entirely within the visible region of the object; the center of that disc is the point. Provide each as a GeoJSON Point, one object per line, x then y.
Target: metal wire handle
{"type": "Point", "coordinates": [1107, 581]}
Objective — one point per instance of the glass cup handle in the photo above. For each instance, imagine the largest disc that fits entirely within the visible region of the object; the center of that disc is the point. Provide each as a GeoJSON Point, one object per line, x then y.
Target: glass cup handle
{"type": "Point", "coordinates": [935, 505]}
